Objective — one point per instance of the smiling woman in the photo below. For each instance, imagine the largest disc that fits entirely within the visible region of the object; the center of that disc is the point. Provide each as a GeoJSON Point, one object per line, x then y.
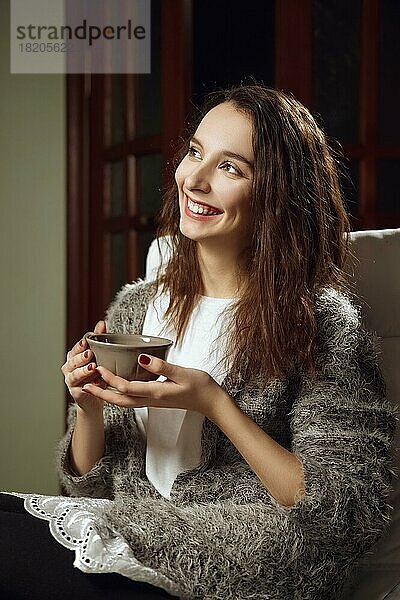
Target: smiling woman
{"type": "Point", "coordinates": [267, 435]}
{"type": "Point", "coordinates": [216, 174]}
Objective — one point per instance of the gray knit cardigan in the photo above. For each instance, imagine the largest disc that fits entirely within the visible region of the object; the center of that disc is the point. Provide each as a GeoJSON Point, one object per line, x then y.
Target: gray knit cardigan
{"type": "Point", "coordinates": [222, 535]}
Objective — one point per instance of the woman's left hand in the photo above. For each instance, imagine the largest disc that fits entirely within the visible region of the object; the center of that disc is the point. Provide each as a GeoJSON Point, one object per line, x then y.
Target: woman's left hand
{"type": "Point", "coordinates": [189, 389]}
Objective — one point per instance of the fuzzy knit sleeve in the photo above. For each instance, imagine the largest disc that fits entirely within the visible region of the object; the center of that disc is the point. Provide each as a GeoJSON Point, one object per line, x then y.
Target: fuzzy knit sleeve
{"type": "Point", "coordinates": [98, 482]}
{"type": "Point", "coordinates": [124, 315]}
{"type": "Point", "coordinates": [342, 431]}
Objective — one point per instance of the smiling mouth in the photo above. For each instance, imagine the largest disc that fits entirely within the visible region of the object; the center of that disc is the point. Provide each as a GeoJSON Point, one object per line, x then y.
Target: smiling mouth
{"type": "Point", "coordinates": [198, 208]}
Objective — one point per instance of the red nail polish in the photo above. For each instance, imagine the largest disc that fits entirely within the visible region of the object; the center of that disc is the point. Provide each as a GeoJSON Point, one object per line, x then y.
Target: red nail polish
{"type": "Point", "coordinates": [144, 360]}
{"type": "Point", "coordinates": [91, 367]}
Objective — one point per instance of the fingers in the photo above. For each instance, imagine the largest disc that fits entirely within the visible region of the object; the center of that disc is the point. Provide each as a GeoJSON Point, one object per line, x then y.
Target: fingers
{"type": "Point", "coordinates": [82, 344]}
{"type": "Point", "coordinates": [100, 327]}
{"type": "Point", "coordinates": [98, 381]}
{"type": "Point", "coordinates": [77, 360]}
{"type": "Point", "coordinates": [120, 384]}
{"type": "Point", "coordinates": [148, 389]}
{"type": "Point", "coordinates": [79, 347]}
{"type": "Point", "coordinates": [81, 375]}
{"type": "Point", "coordinates": [161, 367]}
{"type": "Point", "coordinates": [116, 397]}
{"type": "Point", "coordinates": [78, 368]}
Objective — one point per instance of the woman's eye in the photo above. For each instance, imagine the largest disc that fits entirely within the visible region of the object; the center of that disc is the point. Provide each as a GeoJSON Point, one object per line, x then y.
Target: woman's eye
{"type": "Point", "coordinates": [233, 170]}
{"type": "Point", "coordinates": [192, 151]}
{"type": "Point", "coordinates": [226, 166]}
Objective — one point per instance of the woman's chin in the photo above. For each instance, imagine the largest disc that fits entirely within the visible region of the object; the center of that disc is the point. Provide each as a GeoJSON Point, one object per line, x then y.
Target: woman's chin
{"type": "Point", "coordinates": [189, 231]}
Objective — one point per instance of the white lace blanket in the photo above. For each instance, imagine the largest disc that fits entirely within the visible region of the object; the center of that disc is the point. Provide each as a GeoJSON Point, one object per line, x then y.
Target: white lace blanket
{"type": "Point", "coordinates": [73, 523]}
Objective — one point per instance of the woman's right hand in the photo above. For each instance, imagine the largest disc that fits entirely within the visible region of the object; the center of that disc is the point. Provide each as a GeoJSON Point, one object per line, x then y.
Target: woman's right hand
{"type": "Point", "coordinates": [79, 369]}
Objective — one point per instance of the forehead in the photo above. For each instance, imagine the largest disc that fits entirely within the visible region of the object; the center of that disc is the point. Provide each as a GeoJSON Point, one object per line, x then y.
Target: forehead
{"type": "Point", "coordinates": [226, 128]}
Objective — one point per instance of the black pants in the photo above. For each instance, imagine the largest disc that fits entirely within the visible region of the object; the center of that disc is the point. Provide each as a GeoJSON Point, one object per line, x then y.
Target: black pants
{"type": "Point", "coordinates": [33, 565]}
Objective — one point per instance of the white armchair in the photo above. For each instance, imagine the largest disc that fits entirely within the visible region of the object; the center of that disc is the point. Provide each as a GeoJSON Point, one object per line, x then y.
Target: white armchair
{"type": "Point", "coordinates": [376, 274]}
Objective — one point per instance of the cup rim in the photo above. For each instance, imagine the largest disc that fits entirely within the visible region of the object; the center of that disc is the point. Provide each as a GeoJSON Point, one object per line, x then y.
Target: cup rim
{"type": "Point", "coordinates": [162, 342]}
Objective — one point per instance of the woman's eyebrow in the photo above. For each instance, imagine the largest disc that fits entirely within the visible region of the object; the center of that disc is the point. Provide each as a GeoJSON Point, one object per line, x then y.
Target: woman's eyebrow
{"type": "Point", "coordinates": [226, 153]}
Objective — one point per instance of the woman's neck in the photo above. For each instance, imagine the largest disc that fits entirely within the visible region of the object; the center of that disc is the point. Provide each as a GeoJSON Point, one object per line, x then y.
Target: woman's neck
{"type": "Point", "coordinates": [219, 273]}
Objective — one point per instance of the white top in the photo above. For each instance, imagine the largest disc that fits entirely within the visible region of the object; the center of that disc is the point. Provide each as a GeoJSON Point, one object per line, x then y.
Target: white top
{"type": "Point", "coordinates": [173, 434]}
{"type": "Point", "coordinates": [173, 445]}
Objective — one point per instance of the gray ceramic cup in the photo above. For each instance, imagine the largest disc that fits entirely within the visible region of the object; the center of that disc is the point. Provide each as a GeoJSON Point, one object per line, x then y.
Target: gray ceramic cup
{"type": "Point", "coordinates": [119, 353]}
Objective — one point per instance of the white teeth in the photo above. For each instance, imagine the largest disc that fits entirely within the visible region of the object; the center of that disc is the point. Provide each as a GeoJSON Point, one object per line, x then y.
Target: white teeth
{"type": "Point", "coordinates": [199, 209]}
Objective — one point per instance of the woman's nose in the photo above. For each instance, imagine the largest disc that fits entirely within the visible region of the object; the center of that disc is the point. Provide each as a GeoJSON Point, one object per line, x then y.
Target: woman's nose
{"type": "Point", "coordinates": [198, 178]}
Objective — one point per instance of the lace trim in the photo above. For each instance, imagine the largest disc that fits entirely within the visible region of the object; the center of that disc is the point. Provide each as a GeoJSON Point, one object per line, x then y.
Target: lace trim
{"type": "Point", "coordinates": [74, 523]}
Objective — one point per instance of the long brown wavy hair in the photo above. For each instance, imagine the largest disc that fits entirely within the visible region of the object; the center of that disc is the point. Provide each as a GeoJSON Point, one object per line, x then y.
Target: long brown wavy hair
{"type": "Point", "coordinates": [299, 242]}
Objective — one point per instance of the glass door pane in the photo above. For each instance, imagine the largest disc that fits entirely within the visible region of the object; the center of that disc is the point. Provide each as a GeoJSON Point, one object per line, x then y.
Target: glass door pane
{"type": "Point", "coordinates": [147, 119]}
{"type": "Point", "coordinates": [349, 181]}
{"type": "Point", "coordinates": [336, 44]}
{"type": "Point", "coordinates": [149, 173]}
{"type": "Point", "coordinates": [389, 72]}
{"type": "Point", "coordinates": [145, 239]}
{"type": "Point", "coordinates": [388, 186]}
{"type": "Point", "coordinates": [117, 110]}
{"type": "Point", "coordinates": [118, 261]}
{"type": "Point", "coordinates": [232, 41]}
{"type": "Point", "coordinates": [114, 189]}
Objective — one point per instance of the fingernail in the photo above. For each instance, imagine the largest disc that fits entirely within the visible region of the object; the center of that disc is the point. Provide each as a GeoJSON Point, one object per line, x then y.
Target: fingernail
{"type": "Point", "coordinates": [82, 342]}
{"type": "Point", "coordinates": [91, 367]}
{"type": "Point", "coordinates": [144, 359]}
{"type": "Point", "coordinates": [86, 354]}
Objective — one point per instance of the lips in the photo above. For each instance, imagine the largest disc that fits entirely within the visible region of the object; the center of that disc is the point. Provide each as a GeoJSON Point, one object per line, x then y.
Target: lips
{"type": "Point", "coordinates": [203, 204]}
{"type": "Point", "coordinates": [199, 216]}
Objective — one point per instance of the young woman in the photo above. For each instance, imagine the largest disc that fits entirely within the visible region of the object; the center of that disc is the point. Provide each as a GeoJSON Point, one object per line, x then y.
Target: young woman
{"type": "Point", "coordinates": [258, 465]}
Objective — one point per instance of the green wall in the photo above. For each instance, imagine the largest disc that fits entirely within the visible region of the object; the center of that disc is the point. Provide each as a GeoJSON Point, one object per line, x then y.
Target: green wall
{"type": "Point", "coordinates": [33, 273]}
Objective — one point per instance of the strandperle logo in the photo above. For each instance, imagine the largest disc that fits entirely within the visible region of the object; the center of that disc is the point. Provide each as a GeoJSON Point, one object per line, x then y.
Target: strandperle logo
{"type": "Point", "coordinates": [80, 32]}
{"type": "Point", "coordinates": [80, 36]}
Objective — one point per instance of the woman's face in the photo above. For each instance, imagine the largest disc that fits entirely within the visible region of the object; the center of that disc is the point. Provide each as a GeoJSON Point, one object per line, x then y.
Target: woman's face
{"type": "Point", "coordinates": [215, 176]}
